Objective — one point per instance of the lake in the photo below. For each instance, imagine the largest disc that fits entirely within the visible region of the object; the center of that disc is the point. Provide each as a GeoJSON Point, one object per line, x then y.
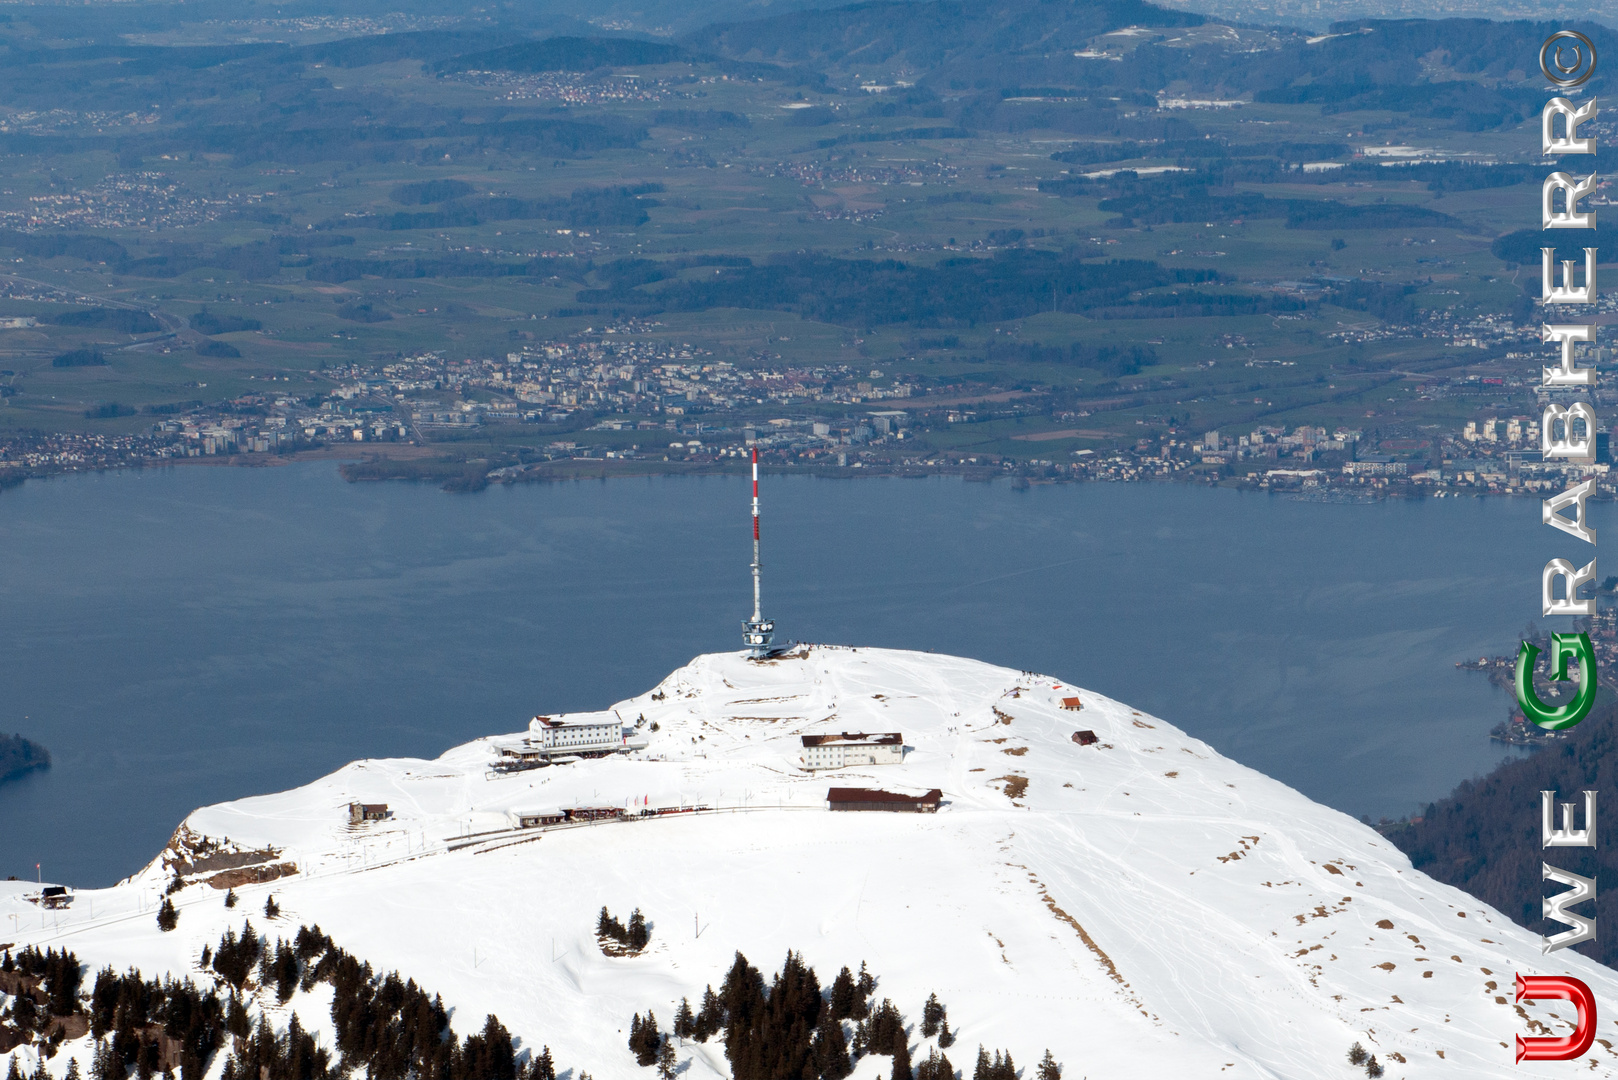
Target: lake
{"type": "Point", "coordinates": [183, 636]}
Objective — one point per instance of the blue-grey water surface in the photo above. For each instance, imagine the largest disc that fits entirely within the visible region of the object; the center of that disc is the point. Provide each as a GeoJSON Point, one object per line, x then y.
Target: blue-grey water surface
{"type": "Point", "coordinates": [179, 637]}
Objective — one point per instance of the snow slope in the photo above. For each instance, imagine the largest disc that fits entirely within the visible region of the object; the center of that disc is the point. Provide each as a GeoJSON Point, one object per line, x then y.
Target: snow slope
{"type": "Point", "coordinates": [1146, 908]}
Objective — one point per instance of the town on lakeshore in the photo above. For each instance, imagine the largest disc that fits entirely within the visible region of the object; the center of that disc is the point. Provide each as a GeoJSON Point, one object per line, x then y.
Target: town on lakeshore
{"type": "Point", "coordinates": [620, 400]}
{"type": "Point", "coordinates": [511, 251]}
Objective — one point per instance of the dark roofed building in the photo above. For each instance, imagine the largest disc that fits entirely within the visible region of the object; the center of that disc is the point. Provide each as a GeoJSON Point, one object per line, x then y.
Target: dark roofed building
{"type": "Point", "coordinates": [362, 812]}
{"type": "Point", "coordinates": [836, 751]}
{"type": "Point", "coordinates": [859, 798]}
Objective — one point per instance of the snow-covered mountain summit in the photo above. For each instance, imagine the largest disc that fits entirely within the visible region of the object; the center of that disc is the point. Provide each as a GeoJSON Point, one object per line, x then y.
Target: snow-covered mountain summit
{"type": "Point", "coordinates": [1140, 905]}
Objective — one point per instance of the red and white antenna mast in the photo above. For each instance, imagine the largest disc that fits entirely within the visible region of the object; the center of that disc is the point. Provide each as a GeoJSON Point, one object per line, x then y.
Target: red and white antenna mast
{"type": "Point", "coordinates": [757, 632]}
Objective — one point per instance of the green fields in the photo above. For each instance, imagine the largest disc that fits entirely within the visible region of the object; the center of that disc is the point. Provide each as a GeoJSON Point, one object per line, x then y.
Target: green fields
{"type": "Point", "coordinates": [362, 204]}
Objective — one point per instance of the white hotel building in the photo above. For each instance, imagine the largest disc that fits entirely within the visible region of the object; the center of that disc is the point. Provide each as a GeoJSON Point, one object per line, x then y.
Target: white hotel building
{"type": "Point", "coordinates": [857, 748]}
{"type": "Point", "coordinates": [588, 734]}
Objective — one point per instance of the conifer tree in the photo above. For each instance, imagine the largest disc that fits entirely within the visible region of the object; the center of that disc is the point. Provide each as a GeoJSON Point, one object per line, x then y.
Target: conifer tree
{"type": "Point", "coordinates": [981, 1072]}
{"type": "Point", "coordinates": [742, 998]}
{"type": "Point", "coordinates": [24, 1013]}
{"type": "Point", "coordinates": [1048, 1069]}
{"type": "Point", "coordinates": [236, 1021]}
{"type": "Point", "coordinates": [1357, 1054]}
{"type": "Point", "coordinates": [72, 1070]}
{"type": "Point", "coordinates": [842, 995]}
{"type": "Point", "coordinates": [638, 935]}
{"type": "Point", "coordinates": [666, 1061]}
{"type": "Point", "coordinates": [946, 1037]}
{"type": "Point", "coordinates": [1373, 1068]}
{"type": "Point", "coordinates": [167, 917]}
{"type": "Point", "coordinates": [901, 1061]}
{"type": "Point", "coordinates": [230, 898]}
{"type": "Point", "coordinates": [710, 1018]}
{"type": "Point", "coordinates": [271, 908]}
{"type": "Point", "coordinates": [932, 1014]}
{"type": "Point", "coordinates": [885, 1030]}
{"type": "Point", "coordinates": [935, 1067]}
{"type": "Point", "coordinates": [830, 1049]}
{"type": "Point", "coordinates": [644, 1038]}
{"type": "Point", "coordinates": [685, 1022]}
{"type": "Point", "coordinates": [863, 986]}
{"type": "Point", "coordinates": [609, 927]}
{"type": "Point", "coordinates": [145, 1060]}
{"type": "Point", "coordinates": [266, 966]}
{"type": "Point", "coordinates": [15, 1073]}
{"type": "Point", "coordinates": [285, 968]}
{"type": "Point", "coordinates": [500, 1061]}
{"type": "Point", "coordinates": [105, 1065]}
{"type": "Point", "coordinates": [543, 1067]}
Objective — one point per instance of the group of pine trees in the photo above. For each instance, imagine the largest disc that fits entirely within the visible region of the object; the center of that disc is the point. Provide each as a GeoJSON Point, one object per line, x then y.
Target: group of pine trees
{"type": "Point", "coordinates": [935, 1021]}
{"type": "Point", "coordinates": [633, 938]}
{"type": "Point", "coordinates": [650, 1047]}
{"type": "Point", "coordinates": [168, 916]}
{"type": "Point", "coordinates": [153, 1026]}
{"type": "Point", "coordinates": [645, 1040]}
{"type": "Point", "coordinates": [58, 976]}
{"type": "Point", "coordinates": [1357, 1055]}
{"type": "Point", "coordinates": [149, 1026]}
{"type": "Point", "coordinates": [293, 1055]}
{"type": "Point", "coordinates": [40, 1072]}
{"type": "Point", "coordinates": [47, 989]}
{"type": "Point", "coordinates": [791, 1029]}
{"type": "Point", "coordinates": [386, 1026]}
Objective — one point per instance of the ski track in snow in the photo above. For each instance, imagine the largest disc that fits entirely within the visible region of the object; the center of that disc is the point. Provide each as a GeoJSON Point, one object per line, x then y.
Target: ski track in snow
{"type": "Point", "coordinates": [1147, 908]}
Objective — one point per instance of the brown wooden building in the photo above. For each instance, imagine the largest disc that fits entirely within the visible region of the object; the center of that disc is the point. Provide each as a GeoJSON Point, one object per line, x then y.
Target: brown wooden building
{"type": "Point", "coordinates": [859, 798]}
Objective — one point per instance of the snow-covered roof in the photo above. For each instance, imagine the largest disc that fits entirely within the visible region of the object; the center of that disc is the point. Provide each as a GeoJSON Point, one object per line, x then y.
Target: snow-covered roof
{"type": "Point", "coordinates": [574, 720]}
{"type": "Point", "coordinates": [886, 738]}
{"type": "Point", "coordinates": [877, 795]}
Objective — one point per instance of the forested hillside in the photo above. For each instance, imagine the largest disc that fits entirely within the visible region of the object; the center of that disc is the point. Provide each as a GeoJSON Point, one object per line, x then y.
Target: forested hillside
{"type": "Point", "coordinates": [1465, 73]}
{"type": "Point", "coordinates": [1485, 837]}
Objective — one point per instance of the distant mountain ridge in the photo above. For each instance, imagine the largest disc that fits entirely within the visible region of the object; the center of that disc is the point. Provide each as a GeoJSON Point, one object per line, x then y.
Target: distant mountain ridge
{"type": "Point", "coordinates": [1469, 73]}
{"type": "Point", "coordinates": [927, 36]}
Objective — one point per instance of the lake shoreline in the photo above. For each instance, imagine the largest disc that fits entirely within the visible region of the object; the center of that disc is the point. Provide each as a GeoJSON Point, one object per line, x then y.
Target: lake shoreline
{"type": "Point", "coordinates": [402, 463]}
{"type": "Point", "coordinates": [183, 637]}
